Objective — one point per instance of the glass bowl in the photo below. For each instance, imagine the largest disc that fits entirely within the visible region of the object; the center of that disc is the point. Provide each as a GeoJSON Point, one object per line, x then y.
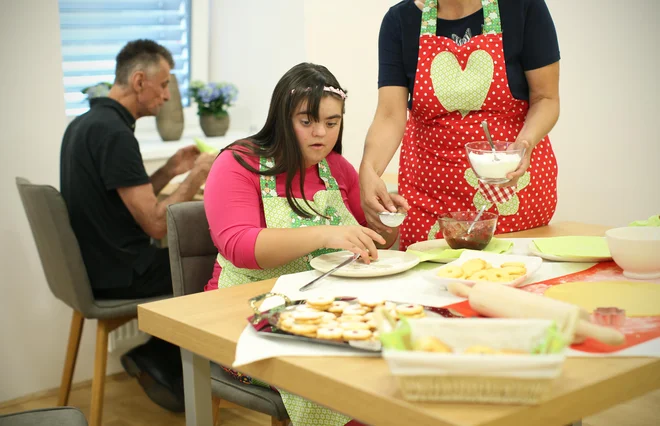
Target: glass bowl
{"type": "Point", "coordinates": [493, 168]}
{"type": "Point", "coordinates": [455, 225]}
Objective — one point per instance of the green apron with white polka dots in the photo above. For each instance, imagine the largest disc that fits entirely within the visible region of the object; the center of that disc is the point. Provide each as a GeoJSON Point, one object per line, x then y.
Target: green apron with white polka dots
{"type": "Point", "coordinates": [279, 214]}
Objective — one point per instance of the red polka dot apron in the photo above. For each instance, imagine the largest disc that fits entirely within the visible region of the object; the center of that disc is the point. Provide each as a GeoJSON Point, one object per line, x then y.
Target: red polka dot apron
{"type": "Point", "coordinates": [456, 88]}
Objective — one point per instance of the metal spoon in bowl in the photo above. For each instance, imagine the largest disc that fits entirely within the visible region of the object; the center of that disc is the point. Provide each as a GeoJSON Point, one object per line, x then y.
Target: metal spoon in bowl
{"type": "Point", "coordinates": [484, 124]}
{"type": "Point", "coordinates": [476, 219]}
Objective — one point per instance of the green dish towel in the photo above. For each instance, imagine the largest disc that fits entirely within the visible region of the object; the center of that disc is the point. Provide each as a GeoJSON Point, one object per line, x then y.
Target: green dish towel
{"type": "Point", "coordinates": [652, 221]}
{"type": "Point", "coordinates": [495, 246]}
{"type": "Point", "coordinates": [573, 246]}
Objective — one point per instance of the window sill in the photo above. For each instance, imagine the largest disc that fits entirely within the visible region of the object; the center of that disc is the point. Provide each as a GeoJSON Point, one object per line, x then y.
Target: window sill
{"type": "Point", "coordinates": [153, 147]}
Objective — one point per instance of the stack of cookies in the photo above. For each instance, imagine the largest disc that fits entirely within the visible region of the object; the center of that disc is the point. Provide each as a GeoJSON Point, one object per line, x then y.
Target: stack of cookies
{"type": "Point", "coordinates": [326, 318]}
{"type": "Point", "coordinates": [481, 270]}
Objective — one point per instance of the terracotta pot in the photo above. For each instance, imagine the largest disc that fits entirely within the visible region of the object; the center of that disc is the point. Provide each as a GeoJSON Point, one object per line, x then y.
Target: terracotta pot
{"type": "Point", "coordinates": [169, 120]}
{"type": "Point", "coordinates": [214, 126]}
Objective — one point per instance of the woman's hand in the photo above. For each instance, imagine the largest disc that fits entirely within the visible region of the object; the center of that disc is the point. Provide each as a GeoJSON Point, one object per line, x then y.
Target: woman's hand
{"type": "Point", "coordinates": [375, 199]}
{"type": "Point", "coordinates": [524, 164]}
{"type": "Point", "coordinates": [356, 239]}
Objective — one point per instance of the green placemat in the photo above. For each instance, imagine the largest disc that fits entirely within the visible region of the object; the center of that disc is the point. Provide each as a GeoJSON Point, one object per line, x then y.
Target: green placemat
{"type": "Point", "coordinates": [652, 221]}
{"type": "Point", "coordinates": [573, 246]}
{"type": "Point", "coordinates": [495, 246]}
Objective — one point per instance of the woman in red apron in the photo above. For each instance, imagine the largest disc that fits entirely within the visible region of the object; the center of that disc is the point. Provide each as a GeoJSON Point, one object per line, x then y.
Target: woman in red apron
{"type": "Point", "coordinates": [460, 81]}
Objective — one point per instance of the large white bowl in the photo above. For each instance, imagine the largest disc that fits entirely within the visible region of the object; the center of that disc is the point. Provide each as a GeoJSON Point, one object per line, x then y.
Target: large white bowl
{"type": "Point", "coordinates": [636, 249]}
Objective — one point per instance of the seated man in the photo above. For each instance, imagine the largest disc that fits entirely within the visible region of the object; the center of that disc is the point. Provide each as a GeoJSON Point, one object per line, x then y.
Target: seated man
{"type": "Point", "coordinates": [113, 206]}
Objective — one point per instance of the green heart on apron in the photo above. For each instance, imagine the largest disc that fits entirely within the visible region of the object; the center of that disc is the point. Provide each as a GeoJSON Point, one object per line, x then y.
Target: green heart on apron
{"type": "Point", "coordinates": [462, 90]}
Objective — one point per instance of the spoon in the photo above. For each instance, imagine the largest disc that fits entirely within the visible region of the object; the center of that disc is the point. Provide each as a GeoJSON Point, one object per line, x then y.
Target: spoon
{"type": "Point", "coordinates": [484, 124]}
{"type": "Point", "coordinates": [476, 219]}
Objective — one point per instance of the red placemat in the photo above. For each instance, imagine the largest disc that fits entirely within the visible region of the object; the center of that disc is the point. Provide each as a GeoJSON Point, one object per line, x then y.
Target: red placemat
{"type": "Point", "coordinates": [637, 330]}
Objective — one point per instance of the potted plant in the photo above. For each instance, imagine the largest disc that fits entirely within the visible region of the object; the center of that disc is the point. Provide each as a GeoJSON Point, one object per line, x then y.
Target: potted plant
{"type": "Point", "coordinates": [213, 99]}
{"type": "Point", "coordinates": [98, 90]}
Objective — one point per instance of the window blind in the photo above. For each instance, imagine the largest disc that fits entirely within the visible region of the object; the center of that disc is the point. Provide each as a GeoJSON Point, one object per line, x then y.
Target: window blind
{"type": "Point", "coordinates": [94, 31]}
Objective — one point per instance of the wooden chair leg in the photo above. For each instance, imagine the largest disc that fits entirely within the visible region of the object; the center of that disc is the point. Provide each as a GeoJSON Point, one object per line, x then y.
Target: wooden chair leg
{"type": "Point", "coordinates": [275, 422]}
{"type": "Point", "coordinates": [216, 409]}
{"type": "Point", "coordinates": [75, 332]}
{"type": "Point", "coordinates": [98, 381]}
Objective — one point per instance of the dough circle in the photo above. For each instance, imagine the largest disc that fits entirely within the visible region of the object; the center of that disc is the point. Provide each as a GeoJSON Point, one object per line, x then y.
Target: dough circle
{"type": "Point", "coordinates": [639, 299]}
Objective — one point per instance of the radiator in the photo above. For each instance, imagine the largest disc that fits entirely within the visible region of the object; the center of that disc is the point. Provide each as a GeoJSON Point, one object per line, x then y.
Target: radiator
{"type": "Point", "coordinates": [126, 337]}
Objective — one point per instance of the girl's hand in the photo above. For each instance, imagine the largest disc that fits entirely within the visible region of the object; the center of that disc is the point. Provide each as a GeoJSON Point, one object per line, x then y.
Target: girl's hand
{"type": "Point", "coordinates": [356, 239]}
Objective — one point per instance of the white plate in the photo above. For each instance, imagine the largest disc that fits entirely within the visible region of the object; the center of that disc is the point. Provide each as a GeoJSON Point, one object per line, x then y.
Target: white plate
{"type": "Point", "coordinates": [532, 264]}
{"type": "Point", "coordinates": [389, 262]}
{"type": "Point", "coordinates": [437, 244]}
{"type": "Point", "coordinates": [577, 259]}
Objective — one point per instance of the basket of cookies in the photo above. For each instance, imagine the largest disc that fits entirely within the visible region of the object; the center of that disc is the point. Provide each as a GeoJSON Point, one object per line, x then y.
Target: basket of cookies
{"type": "Point", "coordinates": [335, 320]}
{"type": "Point", "coordinates": [505, 361]}
{"type": "Point", "coordinates": [473, 267]}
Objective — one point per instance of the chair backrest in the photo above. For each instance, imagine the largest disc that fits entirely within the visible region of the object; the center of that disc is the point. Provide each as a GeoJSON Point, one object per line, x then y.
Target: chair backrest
{"type": "Point", "coordinates": [192, 252]}
{"type": "Point", "coordinates": [57, 244]}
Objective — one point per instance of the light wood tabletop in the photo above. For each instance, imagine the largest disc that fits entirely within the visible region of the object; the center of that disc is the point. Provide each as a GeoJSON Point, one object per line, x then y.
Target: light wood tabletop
{"type": "Point", "coordinates": [207, 326]}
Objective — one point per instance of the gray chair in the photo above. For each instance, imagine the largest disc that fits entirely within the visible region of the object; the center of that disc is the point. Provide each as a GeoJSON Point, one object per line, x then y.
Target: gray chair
{"type": "Point", "coordinates": [60, 416]}
{"type": "Point", "coordinates": [68, 281]}
{"type": "Point", "coordinates": [192, 256]}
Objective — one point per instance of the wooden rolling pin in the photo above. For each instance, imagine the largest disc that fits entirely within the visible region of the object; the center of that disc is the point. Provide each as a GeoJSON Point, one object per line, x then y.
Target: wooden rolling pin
{"type": "Point", "coordinates": [499, 301]}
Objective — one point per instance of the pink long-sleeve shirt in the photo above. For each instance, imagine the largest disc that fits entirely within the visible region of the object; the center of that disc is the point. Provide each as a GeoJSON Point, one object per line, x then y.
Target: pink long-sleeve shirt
{"type": "Point", "coordinates": [235, 212]}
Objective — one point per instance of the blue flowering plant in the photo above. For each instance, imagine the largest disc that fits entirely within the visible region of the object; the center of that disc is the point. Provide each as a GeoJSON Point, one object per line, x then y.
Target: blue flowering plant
{"type": "Point", "coordinates": [213, 98]}
{"type": "Point", "coordinates": [98, 90]}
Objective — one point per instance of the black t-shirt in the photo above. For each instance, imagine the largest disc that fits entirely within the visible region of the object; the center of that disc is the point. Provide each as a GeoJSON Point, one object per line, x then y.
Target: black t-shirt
{"type": "Point", "coordinates": [100, 154]}
{"type": "Point", "coordinates": [528, 32]}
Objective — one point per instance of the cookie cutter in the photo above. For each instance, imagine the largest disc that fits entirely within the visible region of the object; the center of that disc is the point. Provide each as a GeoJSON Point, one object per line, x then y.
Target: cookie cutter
{"type": "Point", "coordinates": [258, 315]}
{"type": "Point", "coordinates": [609, 316]}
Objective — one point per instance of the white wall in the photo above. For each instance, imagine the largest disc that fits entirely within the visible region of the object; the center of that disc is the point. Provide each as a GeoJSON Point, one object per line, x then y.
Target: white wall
{"type": "Point", "coordinates": [252, 45]}
{"type": "Point", "coordinates": [34, 325]}
{"type": "Point", "coordinates": [606, 140]}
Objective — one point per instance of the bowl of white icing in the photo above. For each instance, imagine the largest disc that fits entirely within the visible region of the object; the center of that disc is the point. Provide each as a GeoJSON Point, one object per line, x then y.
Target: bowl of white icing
{"type": "Point", "coordinates": [492, 167]}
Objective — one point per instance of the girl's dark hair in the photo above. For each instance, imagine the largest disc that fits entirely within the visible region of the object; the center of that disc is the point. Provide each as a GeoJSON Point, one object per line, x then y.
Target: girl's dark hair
{"type": "Point", "coordinates": [303, 82]}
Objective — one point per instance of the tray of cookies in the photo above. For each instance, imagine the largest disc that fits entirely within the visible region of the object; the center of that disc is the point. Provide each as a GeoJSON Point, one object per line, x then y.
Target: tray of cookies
{"type": "Point", "coordinates": [337, 321]}
{"type": "Point", "coordinates": [473, 267]}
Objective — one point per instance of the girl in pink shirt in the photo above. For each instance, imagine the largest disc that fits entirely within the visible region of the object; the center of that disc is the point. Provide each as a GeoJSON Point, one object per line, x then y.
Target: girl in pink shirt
{"type": "Point", "coordinates": [285, 195]}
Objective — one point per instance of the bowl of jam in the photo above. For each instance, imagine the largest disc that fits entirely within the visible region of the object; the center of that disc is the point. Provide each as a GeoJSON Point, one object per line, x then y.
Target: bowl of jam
{"type": "Point", "coordinates": [455, 228]}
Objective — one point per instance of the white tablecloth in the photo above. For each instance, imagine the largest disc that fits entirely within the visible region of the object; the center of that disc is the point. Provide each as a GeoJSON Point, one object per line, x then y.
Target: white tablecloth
{"type": "Point", "coordinates": [408, 287]}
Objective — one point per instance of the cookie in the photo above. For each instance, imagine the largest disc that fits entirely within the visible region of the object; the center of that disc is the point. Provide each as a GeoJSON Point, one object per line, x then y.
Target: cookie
{"type": "Point", "coordinates": [328, 317]}
{"type": "Point", "coordinates": [351, 318]}
{"type": "Point", "coordinates": [515, 271]}
{"type": "Point", "coordinates": [286, 324]}
{"type": "Point", "coordinates": [354, 326]}
{"type": "Point", "coordinates": [338, 306]}
{"type": "Point", "coordinates": [518, 264]}
{"type": "Point", "coordinates": [480, 350]}
{"type": "Point", "coordinates": [320, 302]}
{"type": "Point", "coordinates": [304, 329]}
{"type": "Point", "coordinates": [354, 310]}
{"type": "Point", "coordinates": [431, 344]}
{"type": "Point", "coordinates": [450, 271]}
{"type": "Point", "coordinates": [302, 317]}
{"type": "Point", "coordinates": [330, 333]}
{"type": "Point", "coordinates": [498, 275]}
{"type": "Point", "coordinates": [356, 334]}
{"type": "Point", "coordinates": [370, 303]}
{"type": "Point", "coordinates": [472, 266]}
{"type": "Point", "coordinates": [409, 309]}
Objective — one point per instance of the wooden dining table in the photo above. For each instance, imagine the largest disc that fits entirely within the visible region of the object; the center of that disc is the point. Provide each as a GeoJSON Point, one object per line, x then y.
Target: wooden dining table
{"type": "Point", "coordinates": [207, 327]}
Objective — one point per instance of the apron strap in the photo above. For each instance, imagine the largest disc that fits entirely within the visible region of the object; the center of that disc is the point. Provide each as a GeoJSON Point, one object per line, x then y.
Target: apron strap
{"type": "Point", "coordinates": [490, 8]}
{"type": "Point", "coordinates": [267, 183]}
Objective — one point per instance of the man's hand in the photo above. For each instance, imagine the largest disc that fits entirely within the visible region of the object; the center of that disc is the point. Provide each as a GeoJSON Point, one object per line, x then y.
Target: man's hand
{"type": "Point", "coordinates": [203, 163]}
{"type": "Point", "coordinates": [183, 160]}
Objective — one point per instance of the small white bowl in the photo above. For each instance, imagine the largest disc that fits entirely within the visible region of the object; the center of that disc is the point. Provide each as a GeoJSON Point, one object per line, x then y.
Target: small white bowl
{"type": "Point", "coordinates": [392, 219]}
{"type": "Point", "coordinates": [636, 249]}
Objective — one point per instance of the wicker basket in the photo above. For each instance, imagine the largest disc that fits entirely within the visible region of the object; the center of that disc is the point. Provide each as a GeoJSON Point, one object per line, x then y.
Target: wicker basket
{"type": "Point", "coordinates": [456, 377]}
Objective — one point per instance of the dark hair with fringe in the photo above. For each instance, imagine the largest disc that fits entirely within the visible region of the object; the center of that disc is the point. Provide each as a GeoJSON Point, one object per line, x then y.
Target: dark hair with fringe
{"type": "Point", "coordinates": [277, 139]}
{"type": "Point", "coordinates": [144, 53]}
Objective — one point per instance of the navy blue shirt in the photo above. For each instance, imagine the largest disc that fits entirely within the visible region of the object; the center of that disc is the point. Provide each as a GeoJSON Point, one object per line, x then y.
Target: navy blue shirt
{"type": "Point", "coordinates": [528, 32]}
